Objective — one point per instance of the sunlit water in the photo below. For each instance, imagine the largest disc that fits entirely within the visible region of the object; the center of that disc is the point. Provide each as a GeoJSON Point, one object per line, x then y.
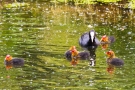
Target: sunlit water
{"type": "Point", "coordinates": [41, 33]}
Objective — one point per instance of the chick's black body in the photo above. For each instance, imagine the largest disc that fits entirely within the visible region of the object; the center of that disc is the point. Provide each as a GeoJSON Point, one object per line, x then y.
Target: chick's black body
{"type": "Point", "coordinates": [15, 62]}
{"type": "Point", "coordinates": [116, 62]}
{"type": "Point", "coordinates": [82, 55]}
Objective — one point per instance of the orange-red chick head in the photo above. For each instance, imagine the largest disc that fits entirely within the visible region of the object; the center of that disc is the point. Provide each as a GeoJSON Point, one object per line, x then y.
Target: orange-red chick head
{"type": "Point", "coordinates": [110, 53]}
{"type": "Point", "coordinates": [104, 39]}
{"type": "Point", "coordinates": [74, 52]}
{"type": "Point", "coordinates": [72, 48]}
{"type": "Point", "coordinates": [8, 58]}
{"type": "Point", "coordinates": [75, 57]}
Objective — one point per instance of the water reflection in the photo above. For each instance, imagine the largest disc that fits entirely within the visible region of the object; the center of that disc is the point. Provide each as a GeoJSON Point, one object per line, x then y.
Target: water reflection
{"type": "Point", "coordinates": [20, 34]}
{"type": "Point", "coordinates": [42, 37]}
{"type": "Point", "coordinates": [110, 69]}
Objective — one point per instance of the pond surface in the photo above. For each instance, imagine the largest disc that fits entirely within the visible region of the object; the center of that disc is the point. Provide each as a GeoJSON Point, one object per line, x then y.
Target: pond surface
{"type": "Point", "coordinates": [41, 33]}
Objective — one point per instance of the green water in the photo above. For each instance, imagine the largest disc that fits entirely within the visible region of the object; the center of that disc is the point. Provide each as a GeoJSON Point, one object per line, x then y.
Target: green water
{"type": "Point", "coordinates": [41, 33]}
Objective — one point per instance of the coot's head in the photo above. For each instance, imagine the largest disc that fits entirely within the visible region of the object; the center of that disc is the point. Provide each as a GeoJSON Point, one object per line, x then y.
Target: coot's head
{"type": "Point", "coordinates": [8, 58]}
{"type": "Point", "coordinates": [110, 53]}
{"type": "Point", "coordinates": [104, 39]}
{"type": "Point", "coordinates": [92, 34]}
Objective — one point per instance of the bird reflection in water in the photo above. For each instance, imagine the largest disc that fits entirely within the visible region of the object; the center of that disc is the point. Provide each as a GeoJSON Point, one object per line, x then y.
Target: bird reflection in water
{"type": "Point", "coordinates": [110, 69]}
{"type": "Point", "coordinates": [90, 42]}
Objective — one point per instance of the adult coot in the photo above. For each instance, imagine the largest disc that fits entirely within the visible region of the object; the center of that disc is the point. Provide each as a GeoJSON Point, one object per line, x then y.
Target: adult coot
{"type": "Point", "coordinates": [90, 42]}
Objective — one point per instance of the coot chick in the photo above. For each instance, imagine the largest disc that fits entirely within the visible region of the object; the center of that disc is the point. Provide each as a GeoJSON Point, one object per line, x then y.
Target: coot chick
{"type": "Point", "coordinates": [83, 54]}
{"type": "Point", "coordinates": [75, 57]}
{"type": "Point", "coordinates": [13, 62]}
{"type": "Point", "coordinates": [112, 60]}
{"type": "Point", "coordinates": [68, 53]}
{"type": "Point", "coordinates": [107, 39]}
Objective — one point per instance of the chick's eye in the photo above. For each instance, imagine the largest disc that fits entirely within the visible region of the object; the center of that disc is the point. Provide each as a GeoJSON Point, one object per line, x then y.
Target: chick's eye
{"type": "Point", "coordinates": [7, 57]}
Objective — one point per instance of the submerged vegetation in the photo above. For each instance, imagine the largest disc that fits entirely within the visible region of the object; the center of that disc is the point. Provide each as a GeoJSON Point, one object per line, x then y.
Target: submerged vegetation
{"type": "Point", "coordinates": [126, 4]}
{"type": "Point", "coordinates": [87, 1]}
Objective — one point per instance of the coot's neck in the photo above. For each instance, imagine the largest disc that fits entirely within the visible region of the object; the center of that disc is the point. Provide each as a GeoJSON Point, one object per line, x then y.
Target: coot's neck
{"type": "Point", "coordinates": [90, 41]}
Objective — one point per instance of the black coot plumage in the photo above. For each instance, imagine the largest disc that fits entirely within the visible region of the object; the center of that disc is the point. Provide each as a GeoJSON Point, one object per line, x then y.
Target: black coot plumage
{"type": "Point", "coordinates": [84, 55]}
{"type": "Point", "coordinates": [112, 60]}
{"type": "Point", "coordinates": [13, 62]}
{"type": "Point", "coordinates": [90, 42]}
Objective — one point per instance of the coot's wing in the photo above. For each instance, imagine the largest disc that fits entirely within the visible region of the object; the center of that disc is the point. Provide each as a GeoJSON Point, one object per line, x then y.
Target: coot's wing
{"type": "Point", "coordinates": [84, 39]}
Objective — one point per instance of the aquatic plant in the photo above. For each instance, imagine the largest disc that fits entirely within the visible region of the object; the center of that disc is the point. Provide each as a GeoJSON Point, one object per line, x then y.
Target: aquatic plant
{"type": "Point", "coordinates": [130, 5]}
{"type": "Point", "coordinates": [16, 4]}
{"type": "Point", "coordinates": [86, 1]}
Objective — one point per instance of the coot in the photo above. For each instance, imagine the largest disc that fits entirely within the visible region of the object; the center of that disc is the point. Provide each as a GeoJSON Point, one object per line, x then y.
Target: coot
{"type": "Point", "coordinates": [90, 42]}
{"type": "Point", "coordinates": [113, 60]}
{"type": "Point", "coordinates": [13, 62]}
{"type": "Point", "coordinates": [84, 55]}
